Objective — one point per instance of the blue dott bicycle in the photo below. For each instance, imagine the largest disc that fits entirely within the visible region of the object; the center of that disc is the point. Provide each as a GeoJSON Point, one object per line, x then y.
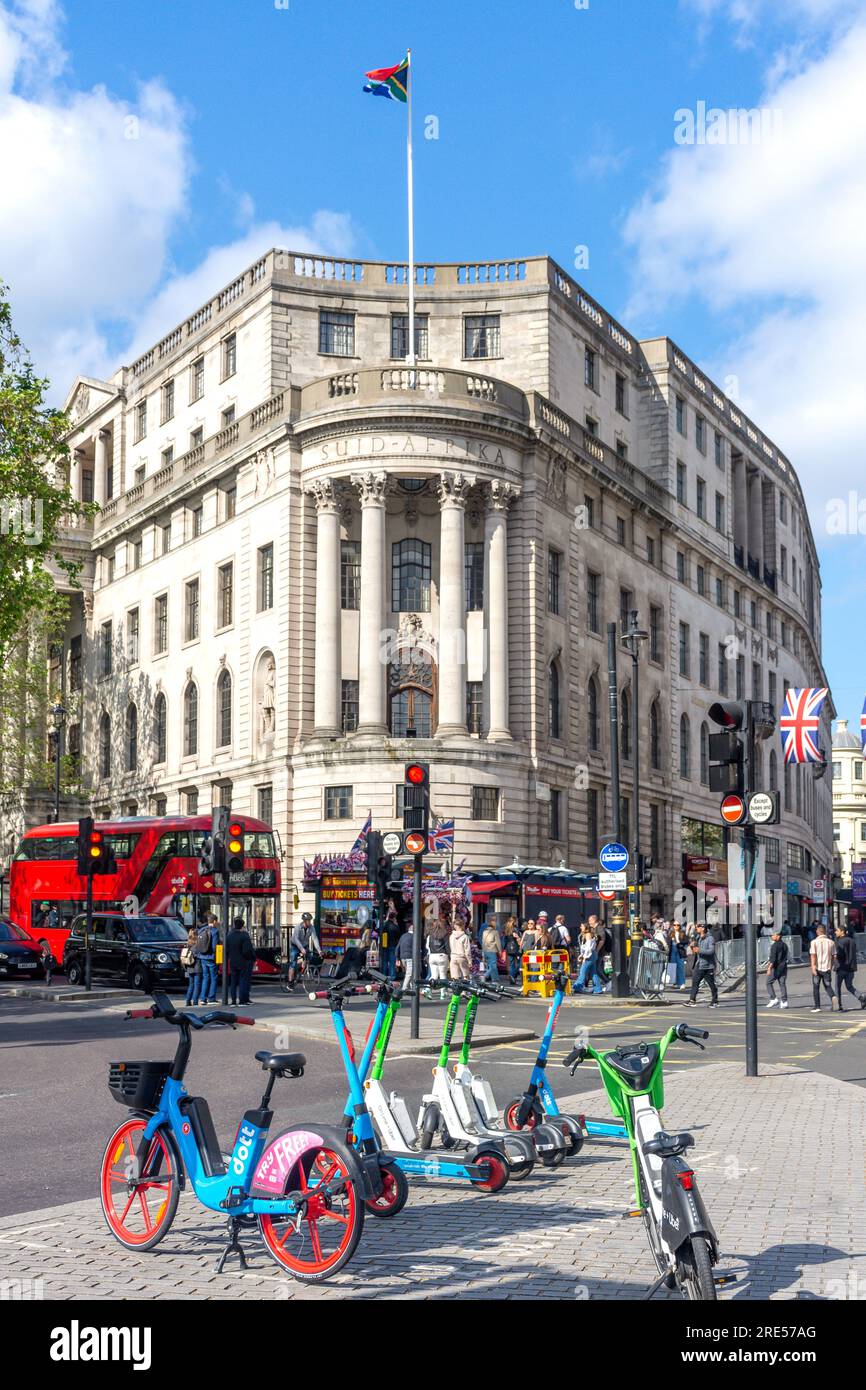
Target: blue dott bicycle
{"type": "Point", "coordinates": [305, 1189]}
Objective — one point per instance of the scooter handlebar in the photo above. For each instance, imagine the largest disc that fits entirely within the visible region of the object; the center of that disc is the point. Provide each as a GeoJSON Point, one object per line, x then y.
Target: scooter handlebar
{"type": "Point", "coordinates": [141, 1013]}
{"type": "Point", "coordinates": [690, 1034]}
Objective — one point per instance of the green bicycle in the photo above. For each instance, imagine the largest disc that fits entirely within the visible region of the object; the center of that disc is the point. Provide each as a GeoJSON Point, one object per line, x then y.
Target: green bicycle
{"type": "Point", "coordinates": [683, 1242]}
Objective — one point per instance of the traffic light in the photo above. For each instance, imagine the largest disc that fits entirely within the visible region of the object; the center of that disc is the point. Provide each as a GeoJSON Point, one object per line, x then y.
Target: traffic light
{"type": "Point", "coordinates": [212, 855]}
{"type": "Point", "coordinates": [374, 849]}
{"type": "Point", "coordinates": [95, 855]}
{"type": "Point", "coordinates": [416, 797]}
{"type": "Point", "coordinates": [727, 750]}
{"type": "Point", "coordinates": [384, 870]}
{"type": "Point", "coordinates": [235, 848]}
{"type": "Point", "coordinates": [645, 866]}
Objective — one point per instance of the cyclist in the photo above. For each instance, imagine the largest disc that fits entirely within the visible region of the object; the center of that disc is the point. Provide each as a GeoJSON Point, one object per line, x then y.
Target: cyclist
{"type": "Point", "coordinates": [304, 939]}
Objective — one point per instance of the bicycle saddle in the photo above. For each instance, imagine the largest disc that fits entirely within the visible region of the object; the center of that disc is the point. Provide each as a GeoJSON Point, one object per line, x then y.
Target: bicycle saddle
{"type": "Point", "coordinates": [282, 1063]}
{"type": "Point", "coordinates": [668, 1145]}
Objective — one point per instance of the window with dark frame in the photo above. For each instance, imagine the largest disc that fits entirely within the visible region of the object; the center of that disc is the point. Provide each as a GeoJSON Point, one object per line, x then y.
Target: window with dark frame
{"type": "Point", "coordinates": [474, 565]}
{"type": "Point", "coordinates": [680, 415]}
{"type": "Point", "coordinates": [593, 596]}
{"type": "Point", "coordinates": [196, 380]}
{"type": "Point", "coordinates": [400, 336]}
{"type": "Point", "coordinates": [224, 709]}
{"type": "Point", "coordinates": [481, 335]}
{"type": "Point", "coordinates": [684, 649]}
{"type": "Point", "coordinates": [554, 568]}
{"type": "Point", "coordinates": [140, 421]}
{"type": "Point", "coordinates": [167, 401]}
{"type": "Point", "coordinates": [190, 720]}
{"type": "Point", "coordinates": [485, 803]}
{"type": "Point", "coordinates": [265, 800]}
{"type": "Point", "coordinates": [655, 630]}
{"type": "Point", "coordinates": [191, 610]}
{"type": "Point", "coordinates": [106, 648]}
{"type": "Point", "coordinates": [474, 706]}
{"type": "Point", "coordinates": [410, 576]}
{"type": "Point", "coordinates": [160, 624]}
{"type": "Point", "coordinates": [349, 706]}
{"type": "Point", "coordinates": [160, 728]}
{"type": "Point", "coordinates": [589, 368]}
{"type": "Point", "coordinates": [265, 569]}
{"type": "Point", "coordinates": [593, 729]}
{"type": "Point", "coordinates": [338, 803]}
{"type": "Point", "coordinates": [620, 397]}
{"type": "Point", "coordinates": [229, 355]}
{"type": "Point", "coordinates": [225, 594]}
{"type": "Point", "coordinates": [350, 575]}
{"type": "Point", "coordinates": [555, 814]}
{"type": "Point", "coordinates": [133, 630]}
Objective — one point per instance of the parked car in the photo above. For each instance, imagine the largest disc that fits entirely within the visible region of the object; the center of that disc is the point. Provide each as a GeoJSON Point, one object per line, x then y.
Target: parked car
{"type": "Point", "coordinates": [142, 952]}
{"type": "Point", "coordinates": [19, 956]}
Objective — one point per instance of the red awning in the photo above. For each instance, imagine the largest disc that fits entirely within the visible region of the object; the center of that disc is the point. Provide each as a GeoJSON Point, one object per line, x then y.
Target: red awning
{"type": "Point", "coordinates": [481, 892]}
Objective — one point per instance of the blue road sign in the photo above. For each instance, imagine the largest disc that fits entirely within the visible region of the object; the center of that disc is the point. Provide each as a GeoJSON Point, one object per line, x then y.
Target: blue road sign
{"type": "Point", "coordinates": [613, 858]}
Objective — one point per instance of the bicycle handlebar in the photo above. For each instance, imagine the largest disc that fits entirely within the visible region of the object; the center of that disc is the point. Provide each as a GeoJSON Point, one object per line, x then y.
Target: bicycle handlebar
{"type": "Point", "coordinates": [177, 1016]}
{"type": "Point", "coordinates": [141, 1013]}
{"type": "Point", "coordinates": [338, 989]}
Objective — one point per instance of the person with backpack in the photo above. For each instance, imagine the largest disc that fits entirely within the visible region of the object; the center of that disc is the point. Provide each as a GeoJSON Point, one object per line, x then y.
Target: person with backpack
{"type": "Point", "coordinates": [240, 959]}
{"type": "Point", "coordinates": [513, 949]}
{"type": "Point", "coordinates": [191, 963]}
{"type": "Point", "coordinates": [560, 933]}
{"type": "Point", "coordinates": [437, 956]}
{"type": "Point", "coordinates": [205, 947]}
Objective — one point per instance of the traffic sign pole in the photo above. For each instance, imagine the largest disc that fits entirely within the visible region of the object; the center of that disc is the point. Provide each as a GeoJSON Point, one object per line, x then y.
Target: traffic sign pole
{"type": "Point", "coordinates": [750, 843]}
{"type": "Point", "coordinates": [415, 1020]}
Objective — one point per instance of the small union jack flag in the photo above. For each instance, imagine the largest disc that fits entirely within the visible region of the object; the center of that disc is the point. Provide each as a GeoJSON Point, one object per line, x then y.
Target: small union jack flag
{"type": "Point", "coordinates": [441, 838]}
{"type": "Point", "coordinates": [799, 722]}
{"type": "Point", "coordinates": [863, 728]}
{"type": "Point", "coordinates": [361, 842]}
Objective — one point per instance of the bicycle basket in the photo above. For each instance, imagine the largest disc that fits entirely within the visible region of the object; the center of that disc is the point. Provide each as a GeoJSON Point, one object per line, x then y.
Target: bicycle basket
{"type": "Point", "coordinates": [138, 1085]}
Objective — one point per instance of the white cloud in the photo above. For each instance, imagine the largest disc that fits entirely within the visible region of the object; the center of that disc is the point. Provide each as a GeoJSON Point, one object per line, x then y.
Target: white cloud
{"type": "Point", "coordinates": [773, 234]}
{"type": "Point", "coordinates": [747, 14]}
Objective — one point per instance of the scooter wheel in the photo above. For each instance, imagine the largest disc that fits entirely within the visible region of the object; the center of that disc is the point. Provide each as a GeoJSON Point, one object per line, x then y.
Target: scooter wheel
{"type": "Point", "coordinates": [511, 1111]}
{"type": "Point", "coordinates": [394, 1195]}
{"type": "Point", "coordinates": [429, 1126]}
{"type": "Point", "coordinates": [555, 1159]}
{"type": "Point", "coordinates": [520, 1152]}
{"type": "Point", "coordinates": [498, 1171]}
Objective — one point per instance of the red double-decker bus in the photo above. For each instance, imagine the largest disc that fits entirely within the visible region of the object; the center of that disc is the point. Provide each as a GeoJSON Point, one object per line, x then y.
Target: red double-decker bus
{"type": "Point", "coordinates": [157, 873]}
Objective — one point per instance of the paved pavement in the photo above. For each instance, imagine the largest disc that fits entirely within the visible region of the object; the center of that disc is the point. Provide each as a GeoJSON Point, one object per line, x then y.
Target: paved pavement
{"type": "Point", "coordinates": [779, 1160]}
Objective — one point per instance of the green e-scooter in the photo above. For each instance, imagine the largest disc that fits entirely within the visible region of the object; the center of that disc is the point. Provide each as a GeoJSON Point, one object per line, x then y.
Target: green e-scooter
{"type": "Point", "coordinates": [680, 1234]}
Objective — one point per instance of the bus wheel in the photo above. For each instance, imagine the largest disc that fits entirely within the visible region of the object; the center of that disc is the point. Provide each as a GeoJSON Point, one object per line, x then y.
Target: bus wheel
{"type": "Point", "coordinates": [139, 979]}
{"type": "Point", "coordinates": [74, 973]}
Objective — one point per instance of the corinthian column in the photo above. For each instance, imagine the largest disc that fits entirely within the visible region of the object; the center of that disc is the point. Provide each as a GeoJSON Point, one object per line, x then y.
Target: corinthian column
{"type": "Point", "coordinates": [372, 713]}
{"type": "Point", "coordinates": [327, 716]}
{"type": "Point", "coordinates": [499, 498]}
{"type": "Point", "coordinates": [453, 489]}
{"type": "Point", "coordinates": [100, 467]}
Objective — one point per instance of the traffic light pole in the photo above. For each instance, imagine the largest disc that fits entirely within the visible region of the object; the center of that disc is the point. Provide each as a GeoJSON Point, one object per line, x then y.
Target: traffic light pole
{"type": "Point", "coordinates": [224, 931]}
{"type": "Point", "coordinates": [750, 846]}
{"type": "Point", "coordinates": [415, 1019]}
{"type": "Point", "coordinates": [88, 931]}
{"type": "Point", "coordinates": [620, 981]}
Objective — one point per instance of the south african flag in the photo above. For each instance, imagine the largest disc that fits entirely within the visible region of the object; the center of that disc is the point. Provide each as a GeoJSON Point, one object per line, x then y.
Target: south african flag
{"type": "Point", "coordinates": [389, 82]}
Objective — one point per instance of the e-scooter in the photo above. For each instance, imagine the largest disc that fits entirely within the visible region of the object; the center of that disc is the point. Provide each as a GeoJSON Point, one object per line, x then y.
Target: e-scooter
{"type": "Point", "coordinates": [538, 1100]}
{"type": "Point", "coordinates": [485, 1166]}
{"type": "Point", "coordinates": [450, 1122]}
{"type": "Point", "coordinates": [474, 1097]}
{"type": "Point", "coordinates": [680, 1234]}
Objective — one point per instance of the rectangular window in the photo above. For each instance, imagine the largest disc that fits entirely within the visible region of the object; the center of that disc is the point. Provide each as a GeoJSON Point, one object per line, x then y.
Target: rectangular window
{"type": "Point", "coordinates": [106, 649]}
{"type": "Point", "coordinates": [720, 512]}
{"type": "Point", "coordinates": [400, 335]}
{"type": "Point", "coordinates": [485, 803]}
{"type": "Point", "coordinates": [620, 530]}
{"type": "Point", "coordinates": [771, 688]}
{"type": "Point", "coordinates": [753, 613]}
{"type": "Point", "coordinates": [196, 437]}
{"type": "Point", "coordinates": [702, 580]}
{"type": "Point", "coordinates": [265, 808]}
{"type": "Point", "coordinates": [720, 451]}
{"type": "Point", "coordinates": [681, 415]}
{"type": "Point", "coordinates": [474, 576]}
{"type": "Point", "coordinates": [133, 627]}
{"type": "Point", "coordinates": [189, 797]}
{"type": "Point", "coordinates": [593, 595]}
{"type": "Point", "coordinates": [592, 822]}
{"type": "Point", "coordinates": [140, 421]}
{"type": "Point", "coordinates": [138, 474]}
{"type": "Point", "coordinates": [338, 803]}
{"type": "Point", "coordinates": [681, 482]}
{"type": "Point", "coordinates": [650, 551]}
{"type": "Point", "coordinates": [481, 335]}
{"type": "Point", "coordinates": [167, 396]}
{"type": "Point", "coordinates": [591, 425]}
{"type": "Point", "coordinates": [701, 503]}
{"type": "Point", "coordinates": [741, 678]}
{"type": "Point", "coordinates": [474, 705]}
{"type": "Point", "coordinates": [589, 505]}
{"type": "Point", "coordinates": [87, 484]}
{"type": "Point", "coordinates": [701, 433]}
{"type": "Point", "coordinates": [230, 503]}
{"type": "Point", "coordinates": [196, 380]}
{"type": "Point", "coordinates": [757, 681]}
{"type": "Point", "coordinates": [75, 665]}
{"type": "Point", "coordinates": [655, 629]}
{"type": "Point", "coordinates": [621, 399]}
{"type": "Point", "coordinates": [229, 355]}
{"type": "Point", "coordinates": [135, 553]}
{"type": "Point", "coordinates": [109, 568]}
{"type": "Point", "coordinates": [621, 449]}
{"type": "Point", "coordinates": [720, 593]}
{"type": "Point", "coordinates": [228, 416]}
{"type": "Point", "coordinates": [737, 603]}
{"type": "Point", "coordinates": [160, 624]}
{"type": "Point", "coordinates": [191, 610]}
{"type": "Point", "coordinates": [165, 538]}
{"type": "Point", "coordinates": [225, 595]}
{"type": "Point", "coordinates": [681, 567]}
{"type": "Point", "coordinates": [555, 814]}
{"type": "Point", "coordinates": [626, 604]}
{"type": "Point", "coordinates": [723, 669]}
{"type": "Point", "coordinates": [350, 574]}
{"type": "Point", "coordinates": [554, 568]}
{"type": "Point", "coordinates": [684, 649]}
{"type": "Point", "coordinates": [783, 564]}
{"type": "Point", "coordinates": [265, 580]}
{"type": "Point", "coordinates": [589, 369]}
{"type": "Point", "coordinates": [704, 659]}
{"type": "Point", "coordinates": [349, 706]}
{"type": "Point", "coordinates": [410, 576]}
{"type": "Point", "coordinates": [168, 456]}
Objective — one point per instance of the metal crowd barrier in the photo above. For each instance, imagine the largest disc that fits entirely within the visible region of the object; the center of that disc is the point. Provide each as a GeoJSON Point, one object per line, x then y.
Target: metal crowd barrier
{"type": "Point", "coordinates": [647, 968]}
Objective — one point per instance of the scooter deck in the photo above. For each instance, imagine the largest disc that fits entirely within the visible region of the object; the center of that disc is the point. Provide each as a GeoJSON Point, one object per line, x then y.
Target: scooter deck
{"type": "Point", "coordinates": [606, 1128]}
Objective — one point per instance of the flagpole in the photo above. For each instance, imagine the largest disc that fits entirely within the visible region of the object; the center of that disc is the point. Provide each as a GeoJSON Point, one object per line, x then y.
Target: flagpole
{"type": "Point", "coordinates": [409, 85]}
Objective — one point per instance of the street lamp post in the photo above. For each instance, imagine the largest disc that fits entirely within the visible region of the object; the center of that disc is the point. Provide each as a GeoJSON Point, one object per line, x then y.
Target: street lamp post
{"type": "Point", "coordinates": [632, 642]}
{"type": "Point", "coordinates": [58, 717]}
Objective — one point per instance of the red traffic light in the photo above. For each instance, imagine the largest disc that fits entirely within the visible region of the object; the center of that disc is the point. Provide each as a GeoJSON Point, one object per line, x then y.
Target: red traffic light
{"type": "Point", "coordinates": [96, 837]}
{"type": "Point", "coordinates": [416, 773]}
{"type": "Point", "coordinates": [235, 829]}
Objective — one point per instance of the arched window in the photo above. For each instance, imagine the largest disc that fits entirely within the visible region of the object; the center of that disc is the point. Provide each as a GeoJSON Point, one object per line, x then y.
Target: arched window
{"type": "Point", "coordinates": [774, 771]}
{"type": "Point", "coordinates": [131, 738]}
{"type": "Point", "coordinates": [625, 725]}
{"type": "Point", "coordinates": [160, 728]}
{"type": "Point", "coordinates": [190, 720]}
{"type": "Point", "coordinates": [410, 576]}
{"type": "Point", "coordinates": [554, 711]}
{"type": "Point", "coordinates": [411, 713]}
{"type": "Point", "coordinates": [593, 730]}
{"type": "Point", "coordinates": [655, 737]}
{"type": "Point", "coordinates": [705, 755]}
{"type": "Point", "coordinates": [105, 745]}
{"type": "Point", "coordinates": [685, 747]}
{"type": "Point", "coordinates": [224, 709]}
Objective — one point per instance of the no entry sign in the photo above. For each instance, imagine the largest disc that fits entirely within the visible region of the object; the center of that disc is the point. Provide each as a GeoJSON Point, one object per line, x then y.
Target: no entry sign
{"type": "Point", "coordinates": [733, 810]}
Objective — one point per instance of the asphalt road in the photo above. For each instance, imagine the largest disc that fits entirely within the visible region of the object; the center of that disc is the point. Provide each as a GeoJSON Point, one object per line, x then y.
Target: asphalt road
{"type": "Point", "coordinates": [56, 1110]}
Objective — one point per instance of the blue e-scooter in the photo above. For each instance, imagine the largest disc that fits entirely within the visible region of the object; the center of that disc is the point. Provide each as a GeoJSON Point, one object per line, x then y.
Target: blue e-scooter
{"type": "Point", "coordinates": [538, 1102]}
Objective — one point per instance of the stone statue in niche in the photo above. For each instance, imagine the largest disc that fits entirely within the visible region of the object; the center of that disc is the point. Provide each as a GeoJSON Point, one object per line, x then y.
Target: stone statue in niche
{"type": "Point", "coordinates": [268, 701]}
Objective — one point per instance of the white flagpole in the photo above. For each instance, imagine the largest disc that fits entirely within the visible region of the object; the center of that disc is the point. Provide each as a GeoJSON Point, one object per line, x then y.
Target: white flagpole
{"type": "Point", "coordinates": [411, 353]}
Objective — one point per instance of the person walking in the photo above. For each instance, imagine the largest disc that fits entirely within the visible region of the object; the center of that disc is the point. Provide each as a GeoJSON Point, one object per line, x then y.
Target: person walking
{"type": "Point", "coordinates": [777, 972]}
{"type": "Point", "coordinates": [405, 949]}
{"type": "Point", "coordinates": [512, 949]}
{"type": "Point", "coordinates": [191, 962]}
{"type": "Point", "coordinates": [437, 956]}
{"type": "Point", "coordinates": [461, 953]}
{"type": "Point", "coordinates": [388, 935]}
{"type": "Point", "coordinates": [679, 947]}
{"type": "Point", "coordinates": [529, 937]}
{"type": "Point", "coordinates": [206, 944]}
{"type": "Point", "coordinates": [846, 968]}
{"type": "Point", "coordinates": [588, 956]}
{"type": "Point", "coordinates": [240, 958]}
{"type": "Point", "coordinates": [705, 966]}
{"type": "Point", "coordinates": [491, 945]}
{"type": "Point", "coordinates": [822, 954]}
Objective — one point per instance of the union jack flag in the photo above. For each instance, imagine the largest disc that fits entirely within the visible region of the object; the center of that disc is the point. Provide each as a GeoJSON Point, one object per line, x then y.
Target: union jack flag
{"type": "Point", "coordinates": [799, 722]}
{"type": "Point", "coordinates": [441, 838]}
{"type": "Point", "coordinates": [863, 728]}
{"type": "Point", "coordinates": [361, 842]}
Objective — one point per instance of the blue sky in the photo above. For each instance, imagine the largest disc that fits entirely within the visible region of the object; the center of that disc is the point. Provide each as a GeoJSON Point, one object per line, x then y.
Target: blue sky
{"type": "Point", "coordinates": [555, 129]}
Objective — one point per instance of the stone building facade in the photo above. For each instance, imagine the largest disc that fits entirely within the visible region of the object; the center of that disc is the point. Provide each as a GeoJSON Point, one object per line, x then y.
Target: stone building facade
{"type": "Point", "coordinates": [313, 560]}
{"type": "Point", "coordinates": [849, 801]}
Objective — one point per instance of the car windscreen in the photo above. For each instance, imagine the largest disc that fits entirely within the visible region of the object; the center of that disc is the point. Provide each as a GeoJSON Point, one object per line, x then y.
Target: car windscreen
{"type": "Point", "coordinates": [9, 932]}
{"type": "Point", "coordinates": [156, 929]}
